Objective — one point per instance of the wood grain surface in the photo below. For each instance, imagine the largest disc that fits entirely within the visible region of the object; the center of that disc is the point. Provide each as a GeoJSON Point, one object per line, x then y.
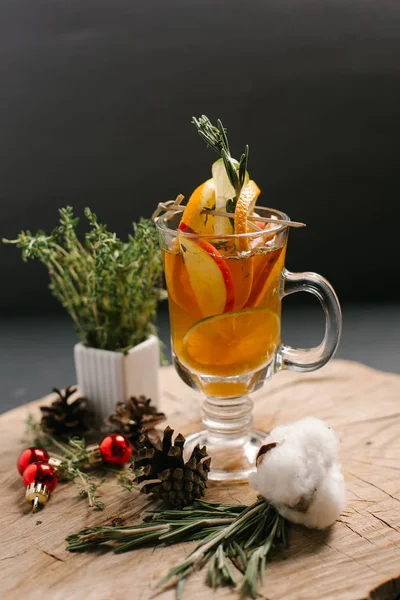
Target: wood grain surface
{"type": "Point", "coordinates": [358, 558]}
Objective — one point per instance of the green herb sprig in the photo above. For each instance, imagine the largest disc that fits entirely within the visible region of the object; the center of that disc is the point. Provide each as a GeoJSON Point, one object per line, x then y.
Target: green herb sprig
{"type": "Point", "coordinates": [231, 535]}
{"type": "Point", "coordinates": [216, 138]}
{"type": "Point", "coordinates": [110, 288]}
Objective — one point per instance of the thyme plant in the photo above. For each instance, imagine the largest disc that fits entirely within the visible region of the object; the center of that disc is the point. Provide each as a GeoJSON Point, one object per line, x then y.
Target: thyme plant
{"type": "Point", "coordinates": [109, 287]}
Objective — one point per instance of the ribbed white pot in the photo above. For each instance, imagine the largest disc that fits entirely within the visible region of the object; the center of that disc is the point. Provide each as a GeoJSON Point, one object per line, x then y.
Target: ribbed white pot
{"type": "Point", "coordinates": [105, 377]}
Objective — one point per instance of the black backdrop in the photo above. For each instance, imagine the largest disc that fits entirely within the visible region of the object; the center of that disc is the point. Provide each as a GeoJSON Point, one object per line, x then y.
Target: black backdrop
{"type": "Point", "coordinates": [95, 105]}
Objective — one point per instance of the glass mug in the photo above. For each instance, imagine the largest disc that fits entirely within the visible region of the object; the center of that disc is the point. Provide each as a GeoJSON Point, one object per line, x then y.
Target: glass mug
{"type": "Point", "coordinates": [224, 295]}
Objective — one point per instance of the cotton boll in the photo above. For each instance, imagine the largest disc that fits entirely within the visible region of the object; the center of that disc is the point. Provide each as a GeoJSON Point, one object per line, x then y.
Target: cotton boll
{"type": "Point", "coordinates": [311, 434]}
{"type": "Point", "coordinates": [285, 475]}
{"type": "Point", "coordinates": [296, 469]}
{"type": "Point", "coordinates": [290, 471]}
{"type": "Point", "coordinates": [318, 438]}
{"type": "Point", "coordinates": [327, 503]}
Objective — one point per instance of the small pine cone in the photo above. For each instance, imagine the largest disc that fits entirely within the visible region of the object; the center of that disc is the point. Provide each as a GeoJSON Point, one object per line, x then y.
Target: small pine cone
{"type": "Point", "coordinates": [67, 415]}
{"type": "Point", "coordinates": [170, 479]}
{"type": "Point", "coordinates": [131, 418]}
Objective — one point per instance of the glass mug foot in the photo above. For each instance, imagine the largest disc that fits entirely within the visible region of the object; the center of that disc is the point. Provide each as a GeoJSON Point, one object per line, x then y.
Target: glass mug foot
{"type": "Point", "coordinates": [232, 460]}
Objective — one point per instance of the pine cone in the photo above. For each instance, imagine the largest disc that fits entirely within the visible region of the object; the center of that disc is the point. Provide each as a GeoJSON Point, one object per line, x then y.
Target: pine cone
{"type": "Point", "coordinates": [177, 483]}
{"type": "Point", "coordinates": [132, 417]}
{"type": "Point", "coordinates": [65, 415]}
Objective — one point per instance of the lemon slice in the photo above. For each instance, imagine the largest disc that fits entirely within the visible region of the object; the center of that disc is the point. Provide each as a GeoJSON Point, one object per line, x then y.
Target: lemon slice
{"type": "Point", "coordinates": [232, 343]}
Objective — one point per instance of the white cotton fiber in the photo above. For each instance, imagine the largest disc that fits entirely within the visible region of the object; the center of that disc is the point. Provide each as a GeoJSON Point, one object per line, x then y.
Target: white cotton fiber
{"type": "Point", "coordinates": [326, 505]}
{"type": "Point", "coordinates": [301, 475]}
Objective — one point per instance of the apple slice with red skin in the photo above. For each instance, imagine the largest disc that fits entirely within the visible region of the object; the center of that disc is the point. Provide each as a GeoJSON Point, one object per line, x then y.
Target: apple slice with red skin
{"type": "Point", "coordinates": [185, 228]}
{"type": "Point", "coordinates": [209, 275]}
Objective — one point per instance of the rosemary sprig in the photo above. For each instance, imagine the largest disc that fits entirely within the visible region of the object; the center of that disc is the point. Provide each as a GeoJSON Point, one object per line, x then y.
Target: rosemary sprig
{"type": "Point", "coordinates": [216, 138]}
{"type": "Point", "coordinates": [231, 536]}
{"type": "Point", "coordinates": [171, 525]}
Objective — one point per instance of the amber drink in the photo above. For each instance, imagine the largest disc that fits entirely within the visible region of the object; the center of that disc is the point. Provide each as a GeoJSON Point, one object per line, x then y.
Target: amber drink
{"type": "Point", "coordinates": [224, 308]}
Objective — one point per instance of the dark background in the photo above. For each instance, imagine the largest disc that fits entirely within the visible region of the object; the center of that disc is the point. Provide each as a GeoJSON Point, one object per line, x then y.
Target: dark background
{"type": "Point", "coordinates": [95, 105]}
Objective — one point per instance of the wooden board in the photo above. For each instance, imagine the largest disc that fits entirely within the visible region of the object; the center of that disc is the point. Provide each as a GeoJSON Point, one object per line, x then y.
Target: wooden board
{"type": "Point", "coordinates": [358, 558]}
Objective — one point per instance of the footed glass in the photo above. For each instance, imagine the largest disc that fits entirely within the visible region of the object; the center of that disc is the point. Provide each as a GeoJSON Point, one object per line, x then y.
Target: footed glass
{"type": "Point", "coordinates": [225, 294]}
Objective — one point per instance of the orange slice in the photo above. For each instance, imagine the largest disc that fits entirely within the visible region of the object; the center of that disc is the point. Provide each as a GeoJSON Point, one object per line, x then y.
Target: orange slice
{"type": "Point", "coordinates": [242, 270]}
{"type": "Point", "coordinates": [244, 208]}
{"type": "Point", "coordinates": [203, 197]}
{"type": "Point", "coordinates": [232, 343]}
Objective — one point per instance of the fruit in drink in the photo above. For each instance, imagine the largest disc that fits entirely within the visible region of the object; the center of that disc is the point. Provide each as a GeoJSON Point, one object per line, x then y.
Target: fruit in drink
{"type": "Point", "coordinates": [244, 208]}
{"type": "Point", "coordinates": [254, 336]}
{"type": "Point", "coordinates": [209, 276]}
{"type": "Point", "coordinates": [232, 343]}
{"type": "Point", "coordinates": [203, 198]}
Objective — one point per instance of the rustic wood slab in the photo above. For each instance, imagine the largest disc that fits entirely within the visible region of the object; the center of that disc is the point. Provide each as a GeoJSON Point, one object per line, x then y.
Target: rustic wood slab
{"type": "Point", "coordinates": [358, 558]}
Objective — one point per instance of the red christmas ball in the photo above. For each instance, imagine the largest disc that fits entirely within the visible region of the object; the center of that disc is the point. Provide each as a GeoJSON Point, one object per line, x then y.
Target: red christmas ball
{"type": "Point", "coordinates": [29, 456]}
{"type": "Point", "coordinates": [40, 472]}
{"type": "Point", "coordinates": [115, 449]}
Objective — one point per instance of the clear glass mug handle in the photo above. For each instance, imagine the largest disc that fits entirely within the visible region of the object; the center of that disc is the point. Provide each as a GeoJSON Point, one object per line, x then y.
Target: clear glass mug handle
{"type": "Point", "coordinates": [311, 359]}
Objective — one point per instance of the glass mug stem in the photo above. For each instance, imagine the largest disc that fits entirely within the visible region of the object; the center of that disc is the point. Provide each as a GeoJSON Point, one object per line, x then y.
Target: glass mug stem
{"type": "Point", "coordinates": [230, 418]}
{"type": "Point", "coordinates": [229, 438]}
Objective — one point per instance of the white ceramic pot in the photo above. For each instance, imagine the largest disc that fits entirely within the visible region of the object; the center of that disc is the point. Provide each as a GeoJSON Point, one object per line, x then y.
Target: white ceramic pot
{"type": "Point", "coordinates": [105, 377]}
